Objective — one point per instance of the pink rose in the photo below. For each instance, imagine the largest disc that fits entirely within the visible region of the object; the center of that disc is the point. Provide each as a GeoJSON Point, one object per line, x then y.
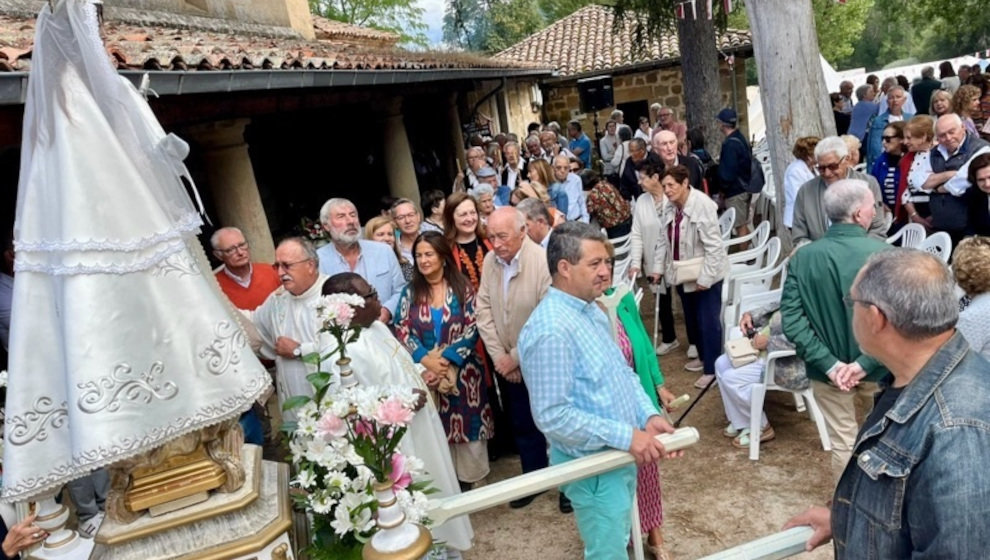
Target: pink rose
{"type": "Point", "coordinates": [331, 427]}
{"type": "Point", "coordinates": [364, 428]}
{"type": "Point", "coordinates": [399, 476]}
{"type": "Point", "coordinates": [393, 413]}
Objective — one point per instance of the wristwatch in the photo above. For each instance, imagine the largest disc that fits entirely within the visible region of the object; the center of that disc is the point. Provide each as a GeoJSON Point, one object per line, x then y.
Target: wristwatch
{"type": "Point", "coordinates": [297, 351]}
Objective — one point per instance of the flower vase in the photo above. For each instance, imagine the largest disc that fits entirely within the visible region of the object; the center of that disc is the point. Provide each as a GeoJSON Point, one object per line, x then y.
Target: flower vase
{"type": "Point", "coordinates": [347, 378]}
{"type": "Point", "coordinates": [396, 538]}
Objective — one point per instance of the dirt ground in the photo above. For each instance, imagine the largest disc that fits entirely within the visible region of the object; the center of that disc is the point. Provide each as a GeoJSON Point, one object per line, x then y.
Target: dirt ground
{"type": "Point", "coordinates": [714, 497]}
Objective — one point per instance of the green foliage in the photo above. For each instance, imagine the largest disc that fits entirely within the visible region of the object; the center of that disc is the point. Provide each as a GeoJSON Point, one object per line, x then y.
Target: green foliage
{"type": "Point", "coordinates": [490, 26]}
{"type": "Point", "coordinates": [839, 26]}
{"type": "Point", "coordinates": [403, 17]}
{"type": "Point", "coordinates": [295, 402]}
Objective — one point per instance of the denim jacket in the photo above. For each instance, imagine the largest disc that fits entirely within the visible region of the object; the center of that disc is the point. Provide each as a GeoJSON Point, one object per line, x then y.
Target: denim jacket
{"type": "Point", "coordinates": [923, 489]}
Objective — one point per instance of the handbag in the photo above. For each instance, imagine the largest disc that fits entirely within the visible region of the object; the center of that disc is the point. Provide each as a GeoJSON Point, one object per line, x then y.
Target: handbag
{"type": "Point", "coordinates": [687, 270]}
{"type": "Point", "coordinates": [741, 352]}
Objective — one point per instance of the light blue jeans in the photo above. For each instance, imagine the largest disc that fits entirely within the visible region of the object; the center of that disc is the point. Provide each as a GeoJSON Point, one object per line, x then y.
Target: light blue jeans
{"type": "Point", "coordinates": [602, 507]}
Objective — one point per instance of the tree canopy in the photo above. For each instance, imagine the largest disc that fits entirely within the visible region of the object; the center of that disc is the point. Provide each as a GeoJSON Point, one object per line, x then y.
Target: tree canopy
{"type": "Point", "coordinates": [399, 16]}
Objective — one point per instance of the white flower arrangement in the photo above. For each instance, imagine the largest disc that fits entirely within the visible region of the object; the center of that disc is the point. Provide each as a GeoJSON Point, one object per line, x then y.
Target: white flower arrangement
{"type": "Point", "coordinates": [342, 447]}
{"type": "Point", "coordinates": [344, 440]}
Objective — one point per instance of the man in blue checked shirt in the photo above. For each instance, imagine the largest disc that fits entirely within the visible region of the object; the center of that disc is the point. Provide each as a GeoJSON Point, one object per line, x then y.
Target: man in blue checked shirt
{"type": "Point", "coordinates": [583, 396]}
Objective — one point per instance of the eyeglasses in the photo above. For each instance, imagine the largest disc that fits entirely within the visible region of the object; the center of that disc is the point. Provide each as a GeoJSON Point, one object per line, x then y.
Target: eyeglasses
{"type": "Point", "coordinates": [287, 266]}
{"type": "Point", "coordinates": [890, 138]}
{"type": "Point", "coordinates": [404, 217]}
{"type": "Point", "coordinates": [851, 301]}
{"type": "Point", "coordinates": [233, 248]}
{"type": "Point", "coordinates": [833, 167]}
{"type": "Point", "coordinates": [370, 295]}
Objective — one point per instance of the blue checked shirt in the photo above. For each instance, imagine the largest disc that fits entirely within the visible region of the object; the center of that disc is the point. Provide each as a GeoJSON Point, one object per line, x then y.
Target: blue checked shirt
{"type": "Point", "coordinates": [583, 395]}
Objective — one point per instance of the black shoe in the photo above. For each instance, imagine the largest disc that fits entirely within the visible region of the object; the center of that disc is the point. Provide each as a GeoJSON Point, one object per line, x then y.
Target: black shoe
{"type": "Point", "coordinates": [564, 504]}
{"type": "Point", "coordinates": [524, 501]}
{"type": "Point", "coordinates": [465, 486]}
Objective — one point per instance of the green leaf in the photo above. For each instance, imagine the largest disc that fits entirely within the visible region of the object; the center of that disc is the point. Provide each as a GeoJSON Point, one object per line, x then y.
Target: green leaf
{"type": "Point", "coordinates": [313, 358]}
{"type": "Point", "coordinates": [319, 379]}
{"type": "Point", "coordinates": [289, 427]}
{"type": "Point", "coordinates": [295, 402]}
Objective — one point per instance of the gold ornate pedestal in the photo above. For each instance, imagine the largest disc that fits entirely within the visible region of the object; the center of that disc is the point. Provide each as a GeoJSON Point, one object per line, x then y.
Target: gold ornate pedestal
{"type": "Point", "coordinates": [257, 530]}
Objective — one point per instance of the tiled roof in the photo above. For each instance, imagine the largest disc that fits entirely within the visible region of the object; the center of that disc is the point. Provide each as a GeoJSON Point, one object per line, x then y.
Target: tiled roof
{"type": "Point", "coordinates": [168, 43]}
{"type": "Point", "coordinates": [586, 42]}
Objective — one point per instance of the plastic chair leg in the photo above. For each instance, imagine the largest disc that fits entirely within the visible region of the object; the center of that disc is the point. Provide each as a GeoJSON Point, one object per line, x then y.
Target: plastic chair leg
{"type": "Point", "coordinates": [799, 402]}
{"type": "Point", "coordinates": [755, 413]}
{"type": "Point", "coordinates": [816, 415]}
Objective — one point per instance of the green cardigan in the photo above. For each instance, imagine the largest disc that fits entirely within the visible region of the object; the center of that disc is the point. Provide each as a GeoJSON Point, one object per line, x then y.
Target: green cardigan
{"type": "Point", "coordinates": [813, 314]}
{"type": "Point", "coordinates": [644, 356]}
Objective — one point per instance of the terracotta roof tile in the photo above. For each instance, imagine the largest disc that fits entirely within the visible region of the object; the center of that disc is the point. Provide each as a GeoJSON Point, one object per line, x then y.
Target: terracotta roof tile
{"type": "Point", "coordinates": [149, 46]}
{"type": "Point", "coordinates": [585, 42]}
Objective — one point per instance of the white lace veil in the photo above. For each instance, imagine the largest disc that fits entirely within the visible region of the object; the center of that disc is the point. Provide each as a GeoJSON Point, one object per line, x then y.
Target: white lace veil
{"type": "Point", "coordinates": [118, 340]}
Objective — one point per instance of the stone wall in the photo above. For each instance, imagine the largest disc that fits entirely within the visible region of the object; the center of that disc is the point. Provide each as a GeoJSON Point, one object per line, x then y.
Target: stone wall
{"type": "Point", "coordinates": [662, 85]}
{"type": "Point", "coordinates": [283, 13]}
{"type": "Point", "coordinates": [518, 105]}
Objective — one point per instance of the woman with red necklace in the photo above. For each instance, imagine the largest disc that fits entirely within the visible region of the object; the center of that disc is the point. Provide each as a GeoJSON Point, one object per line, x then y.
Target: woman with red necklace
{"type": "Point", "coordinates": [467, 238]}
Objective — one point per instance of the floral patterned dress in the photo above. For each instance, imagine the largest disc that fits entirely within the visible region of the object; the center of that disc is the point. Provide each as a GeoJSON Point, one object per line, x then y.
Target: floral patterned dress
{"type": "Point", "coordinates": [466, 417]}
{"type": "Point", "coordinates": [470, 257]}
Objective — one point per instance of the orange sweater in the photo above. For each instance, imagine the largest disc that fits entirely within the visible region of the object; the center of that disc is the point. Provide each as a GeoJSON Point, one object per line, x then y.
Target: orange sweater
{"type": "Point", "coordinates": [264, 281]}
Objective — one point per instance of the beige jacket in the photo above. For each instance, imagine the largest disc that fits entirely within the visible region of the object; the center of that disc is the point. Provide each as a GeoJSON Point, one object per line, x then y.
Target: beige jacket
{"type": "Point", "coordinates": [699, 237]}
{"type": "Point", "coordinates": [500, 320]}
{"type": "Point", "coordinates": [645, 235]}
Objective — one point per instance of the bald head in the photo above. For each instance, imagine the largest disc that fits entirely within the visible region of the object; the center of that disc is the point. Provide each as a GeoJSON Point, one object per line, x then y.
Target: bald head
{"type": "Point", "coordinates": [665, 145]}
{"type": "Point", "coordinates": [506, 231]}
{"type": "Point", "coordinates": [950, 132]}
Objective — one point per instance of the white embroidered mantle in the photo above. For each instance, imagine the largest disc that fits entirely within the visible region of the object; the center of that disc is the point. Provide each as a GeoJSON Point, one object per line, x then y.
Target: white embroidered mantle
{"type": "Point", "coordinates": [119, 340]}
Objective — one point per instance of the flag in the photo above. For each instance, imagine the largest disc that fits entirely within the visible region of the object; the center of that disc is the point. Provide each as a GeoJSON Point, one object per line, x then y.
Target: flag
{"type": "Point", "coordinates": [679, 11]}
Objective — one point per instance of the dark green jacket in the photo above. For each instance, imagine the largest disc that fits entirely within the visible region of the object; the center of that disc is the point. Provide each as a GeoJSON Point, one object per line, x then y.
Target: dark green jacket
{"type": "Point", "coordinates": [814, 316]}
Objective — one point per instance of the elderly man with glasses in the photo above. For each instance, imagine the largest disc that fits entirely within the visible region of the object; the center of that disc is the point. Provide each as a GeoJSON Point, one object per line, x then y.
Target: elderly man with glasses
{"type": "Point", "coordinates": [286, 322]}
{"type": "Point", "coordinates": [810, 219]}
{"type": "Point", "coordinates": [246, 284]}
{"type": "Point", "coordinates": [815, 318]}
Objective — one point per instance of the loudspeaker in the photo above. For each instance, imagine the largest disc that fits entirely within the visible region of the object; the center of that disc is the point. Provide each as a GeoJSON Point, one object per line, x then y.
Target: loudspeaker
{"type": "Point", "coordinates": [595, 93]}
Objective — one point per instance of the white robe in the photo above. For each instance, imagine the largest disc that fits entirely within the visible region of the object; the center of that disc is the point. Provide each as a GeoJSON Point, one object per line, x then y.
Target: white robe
{"type": "Point", "coordinates": [284, 314]}
{"type": "Point", "coordinates": [377, 358]}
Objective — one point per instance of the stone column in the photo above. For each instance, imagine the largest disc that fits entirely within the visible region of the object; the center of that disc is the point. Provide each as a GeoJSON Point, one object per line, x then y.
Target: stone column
{"type": "Point", "coordinates": [456, 135]}
{"type": "Point", "coordinates": [232, 184]}
{"type": "Point", "coordinates": [399, 168]}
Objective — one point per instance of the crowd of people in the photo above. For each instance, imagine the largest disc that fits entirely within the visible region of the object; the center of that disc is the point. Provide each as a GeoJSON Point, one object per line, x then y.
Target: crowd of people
{"type": "Point", "coordinates": [501, 293]}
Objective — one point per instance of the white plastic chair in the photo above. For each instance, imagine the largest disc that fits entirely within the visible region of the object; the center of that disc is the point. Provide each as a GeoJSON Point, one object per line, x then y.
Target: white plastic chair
{"type": "Point", "coordinates": [938, 244]}
{"type": "Point", "coordinates": [759, 235]}
{"type": "Point", "coordinates": [910, 236]}
{"type": "Point", "coordinates": [725, 222]}
{"type": "Point", "coordinates": [759, 395]}
{"type": "Point", "coordinates": [747, 285]}
{"type": "Point", "coordinates": [756, 258]}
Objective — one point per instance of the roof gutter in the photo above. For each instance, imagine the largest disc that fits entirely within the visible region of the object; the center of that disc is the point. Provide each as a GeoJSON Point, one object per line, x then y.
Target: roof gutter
{"type": "Point", "coordinates": [13, 85]}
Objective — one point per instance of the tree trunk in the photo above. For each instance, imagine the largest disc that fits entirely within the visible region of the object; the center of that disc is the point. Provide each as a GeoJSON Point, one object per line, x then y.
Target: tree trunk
{"type": "Point", "coordinates": [699, 71]}
{"type": "Point", "coordinates": [792, 85]}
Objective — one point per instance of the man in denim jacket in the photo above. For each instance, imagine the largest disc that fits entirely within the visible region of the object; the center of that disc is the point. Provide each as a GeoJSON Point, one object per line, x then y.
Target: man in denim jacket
{"type": "Point", "coordinates": [918, 485]}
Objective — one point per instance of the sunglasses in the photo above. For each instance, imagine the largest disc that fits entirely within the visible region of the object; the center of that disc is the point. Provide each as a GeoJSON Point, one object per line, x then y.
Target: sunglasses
{"type": "Point", "coordinates": [833, 167]}
{"type": "Point", "coordinates": [890, 138]}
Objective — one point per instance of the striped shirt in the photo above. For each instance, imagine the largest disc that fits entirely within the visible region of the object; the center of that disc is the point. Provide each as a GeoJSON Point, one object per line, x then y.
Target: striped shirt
{"type": "Point", "coordinates": [583, 394]}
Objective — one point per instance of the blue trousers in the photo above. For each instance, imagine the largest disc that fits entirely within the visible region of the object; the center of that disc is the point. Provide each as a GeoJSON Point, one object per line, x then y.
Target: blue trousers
{"type": "Point", "coordinates": [602, 507]}
{"type": "Point", "coordinates": [701, 318]}
{"type": "Point", "coordinates": [253, 430]}
{"type": "Point", "coordinates": [530, 443]}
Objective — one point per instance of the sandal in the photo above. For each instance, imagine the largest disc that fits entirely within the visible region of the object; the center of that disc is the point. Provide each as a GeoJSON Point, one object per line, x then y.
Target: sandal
{"type": "Point", "coordinates": [730, 432]}
{"type": "Point", "coordinates": [742, 440]}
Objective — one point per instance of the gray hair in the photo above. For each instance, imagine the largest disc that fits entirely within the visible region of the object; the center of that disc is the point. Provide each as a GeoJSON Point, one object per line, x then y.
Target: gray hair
{"type": "Point", "coordinates": [215, 238]}
{"type": "Point", "coordinates": [534, 209]}
{"type": "Point", "coordinates": [616, 113]}
{"type": "Point", "coordinates": [656, 107]}
{"type": "Point", "coordinates": [843, 197]}
{"type": "Point", "coordinates": [399, 202]}
{"type": "Point", "coordinates": [565, 242]}
{"type": "Point", "coordinates": [552, 125]}
{"type": "Point", "coordinates": [861, 91]}
{"type": "Point", "coordinates": [307, 246]}
{"type": "Point", "coordinates": [893, 88]}
{"type": "Point", "coordinates": [532, 139]}
{"type": "Point", "coordinates": [329, 205]}
{"type": "Point", "coordinates": [831, 145]}
{"type": "Point", "coordinates": [639, 142]}
{"type": "Point", "coordinates": [914, 290]}
{"type": "Point", "coordinates": [928, 72]}
{"type": "Point", "coordinates": [482, 188]}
